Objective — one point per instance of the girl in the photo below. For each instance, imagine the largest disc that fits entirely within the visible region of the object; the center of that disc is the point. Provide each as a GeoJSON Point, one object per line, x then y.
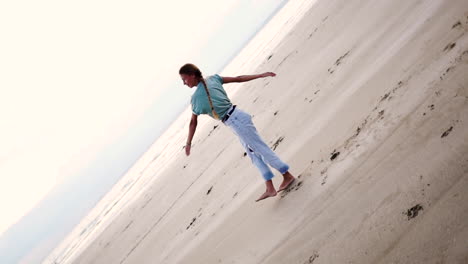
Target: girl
{"type": "Point", "coordinates": [211, 98]}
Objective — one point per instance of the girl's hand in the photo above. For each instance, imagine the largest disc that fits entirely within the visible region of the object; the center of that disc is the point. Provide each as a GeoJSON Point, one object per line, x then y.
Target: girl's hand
{"type": "Point", "coordinates": [187, 149]}
{"type": "Point", "coordinates": [268, 74]}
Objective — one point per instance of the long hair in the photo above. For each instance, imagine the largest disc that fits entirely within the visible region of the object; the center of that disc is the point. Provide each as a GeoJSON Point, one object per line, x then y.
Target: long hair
{"type": "Point", "coordinates": [191, 69]}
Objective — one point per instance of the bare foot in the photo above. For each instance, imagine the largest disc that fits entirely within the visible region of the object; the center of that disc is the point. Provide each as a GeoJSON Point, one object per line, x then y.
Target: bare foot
{"type": "Point", "coordinates": [267, 194]}
{"type": "Point", "coordinates": [288, 180]}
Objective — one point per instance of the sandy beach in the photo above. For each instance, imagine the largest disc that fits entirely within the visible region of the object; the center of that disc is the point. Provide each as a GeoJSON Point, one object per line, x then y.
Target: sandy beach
{"type": "Point", "coordinates": [369, 108]}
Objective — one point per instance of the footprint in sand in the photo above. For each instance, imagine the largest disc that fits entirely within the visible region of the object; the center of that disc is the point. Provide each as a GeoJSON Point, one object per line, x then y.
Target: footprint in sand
{"type": "Point", "coordinates": [294, 187]}
{"type": "Point", "coordinates": [299, 182]}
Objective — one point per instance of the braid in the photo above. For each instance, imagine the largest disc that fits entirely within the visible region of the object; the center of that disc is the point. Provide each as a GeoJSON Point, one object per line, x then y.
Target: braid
{"type": "Point", "coordinates": [215, 115]}
{"type": "Point", "coordinates": [192, 69]}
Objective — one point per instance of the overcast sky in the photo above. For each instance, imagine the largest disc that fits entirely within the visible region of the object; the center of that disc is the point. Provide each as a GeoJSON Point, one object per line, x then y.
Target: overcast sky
{"type": "Point", "coordinates": [82, 79]}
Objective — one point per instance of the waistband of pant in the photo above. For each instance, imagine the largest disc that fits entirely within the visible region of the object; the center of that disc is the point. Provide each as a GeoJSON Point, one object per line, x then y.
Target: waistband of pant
{"type": "Point", "coordinates": [229, 113]}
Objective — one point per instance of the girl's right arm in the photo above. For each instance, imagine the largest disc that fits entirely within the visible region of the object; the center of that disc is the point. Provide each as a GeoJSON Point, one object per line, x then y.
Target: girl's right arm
{"type": "Point", "coordinates": [192, 128]}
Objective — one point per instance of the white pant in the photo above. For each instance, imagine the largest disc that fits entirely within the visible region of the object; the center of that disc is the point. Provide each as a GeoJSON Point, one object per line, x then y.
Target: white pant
{"type": "Point", "coordinates": [241, 124]}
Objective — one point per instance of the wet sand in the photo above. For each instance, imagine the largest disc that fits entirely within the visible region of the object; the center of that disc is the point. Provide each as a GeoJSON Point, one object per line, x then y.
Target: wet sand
{"type": "Point", "coordinates": [369, 108]}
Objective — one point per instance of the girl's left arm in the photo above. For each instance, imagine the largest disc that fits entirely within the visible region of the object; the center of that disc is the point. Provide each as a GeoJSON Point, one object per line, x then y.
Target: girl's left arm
{"type": "Point", "coordinates": [246, 78]}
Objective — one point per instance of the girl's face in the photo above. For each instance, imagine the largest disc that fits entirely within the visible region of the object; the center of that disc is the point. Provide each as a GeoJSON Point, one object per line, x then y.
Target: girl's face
{"type": "Point", "coordinates": [189, 79]}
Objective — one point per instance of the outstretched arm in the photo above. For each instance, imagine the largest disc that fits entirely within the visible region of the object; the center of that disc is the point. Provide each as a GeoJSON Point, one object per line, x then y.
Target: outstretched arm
{"type": "Point", "coordinates": [192, 128]}
{"type": "Point", "coordinates": [246, 78]}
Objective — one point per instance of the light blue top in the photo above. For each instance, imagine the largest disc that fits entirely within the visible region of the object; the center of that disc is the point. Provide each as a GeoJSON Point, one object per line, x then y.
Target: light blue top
{"type": "Point", "coordinates": [221, 102]}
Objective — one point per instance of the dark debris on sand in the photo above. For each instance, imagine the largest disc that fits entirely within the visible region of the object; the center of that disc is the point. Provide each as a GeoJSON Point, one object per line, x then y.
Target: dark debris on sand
{"type": "Point", "coordinates": [447, 132]}
{"type": "Point", "coordinates": [276, 144]}
{"type": "Point", "coordinates": [334, 154]}
{"type": "Point", "coordinates": [209, 191]}
{"type": "Point", "coordinates": [413, 211]}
